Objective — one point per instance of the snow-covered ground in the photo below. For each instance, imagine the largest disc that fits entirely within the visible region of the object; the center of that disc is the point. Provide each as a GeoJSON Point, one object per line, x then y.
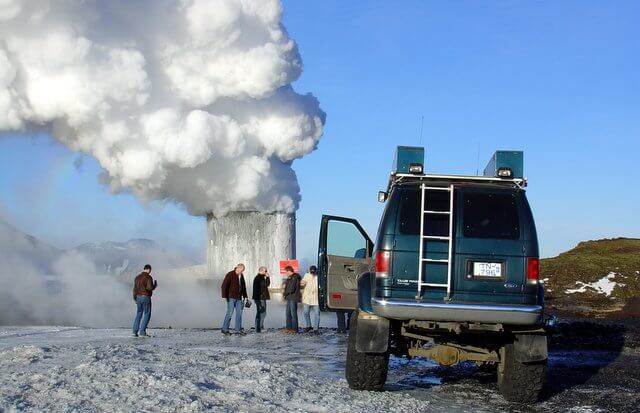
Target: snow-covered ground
{"type": "Point", "coordinates": [191, 370]}
{"type": "Point", "coordinates": [80, 369]}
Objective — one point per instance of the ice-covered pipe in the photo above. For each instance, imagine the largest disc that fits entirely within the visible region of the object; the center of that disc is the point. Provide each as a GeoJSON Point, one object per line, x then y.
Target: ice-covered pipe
{"type": "Point", "coordinates": [253, 238]}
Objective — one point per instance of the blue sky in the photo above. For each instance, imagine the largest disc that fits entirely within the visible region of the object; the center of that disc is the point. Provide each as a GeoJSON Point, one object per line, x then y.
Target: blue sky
{"type": "Point", "coordinates": [559, 80]}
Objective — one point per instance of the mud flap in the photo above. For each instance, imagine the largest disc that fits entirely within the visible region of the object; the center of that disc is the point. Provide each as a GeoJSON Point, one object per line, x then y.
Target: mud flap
{"type": "Point", "coordinates": [372, 334]}
{"type": "Point", "coordinates": [530, 347]}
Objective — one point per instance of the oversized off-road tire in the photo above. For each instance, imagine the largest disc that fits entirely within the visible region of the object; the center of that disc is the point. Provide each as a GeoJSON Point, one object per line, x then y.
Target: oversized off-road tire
{"type": "Point", "coordinates": [365, 371]}
{"type": "Point", "coordinates": [520, 382]}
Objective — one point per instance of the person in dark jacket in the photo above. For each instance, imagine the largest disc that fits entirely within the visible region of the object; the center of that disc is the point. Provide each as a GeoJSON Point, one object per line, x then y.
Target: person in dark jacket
{"type": "Point", "coordinates": [234, 290]}
{"type": "Point", "coordinates": [143, 287]}
{"type": "Point", "coordinates": [260, 295]}
{"type": "Point", "coordinates": [292, 298]}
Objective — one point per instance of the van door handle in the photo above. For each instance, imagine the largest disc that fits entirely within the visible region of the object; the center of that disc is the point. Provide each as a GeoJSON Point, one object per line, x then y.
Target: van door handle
{"type": "Point", "coordinates": [349, 267]}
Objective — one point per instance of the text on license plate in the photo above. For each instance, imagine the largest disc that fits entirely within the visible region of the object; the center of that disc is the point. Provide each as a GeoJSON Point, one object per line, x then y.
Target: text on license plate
{"type": "Point", "coordinates": [487, 269]}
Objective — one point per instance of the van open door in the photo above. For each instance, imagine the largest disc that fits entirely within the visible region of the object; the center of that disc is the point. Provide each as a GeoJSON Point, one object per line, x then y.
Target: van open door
{"type": "Point", "coordinates": [344, 252]}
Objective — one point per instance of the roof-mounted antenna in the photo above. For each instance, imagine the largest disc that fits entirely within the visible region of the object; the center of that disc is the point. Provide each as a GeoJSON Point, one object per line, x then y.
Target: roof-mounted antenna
{"type": "Point", "coordinates": [421, 126]}
{"type": "Point", "coordinates": [478, 161]}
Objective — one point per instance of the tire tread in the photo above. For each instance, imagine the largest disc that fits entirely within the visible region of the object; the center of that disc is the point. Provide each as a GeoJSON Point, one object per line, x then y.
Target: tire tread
{"type": "Point", "coordinates": [364, 371]}
{"type": "Point", "coordinates": [521, 382]}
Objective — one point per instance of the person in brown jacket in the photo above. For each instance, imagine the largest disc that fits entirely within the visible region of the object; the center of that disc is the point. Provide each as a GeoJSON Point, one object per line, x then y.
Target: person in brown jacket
{"type": "Point", "coordinates": [234, 290]}
{"type": "Point", "coordinates": [143, 287]}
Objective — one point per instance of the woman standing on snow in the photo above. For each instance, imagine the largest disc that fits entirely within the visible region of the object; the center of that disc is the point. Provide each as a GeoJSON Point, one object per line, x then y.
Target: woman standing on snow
{"type": "Point", "coordinates": [261, 284]}
{"type": "Point", "coordinates": [310, 300]}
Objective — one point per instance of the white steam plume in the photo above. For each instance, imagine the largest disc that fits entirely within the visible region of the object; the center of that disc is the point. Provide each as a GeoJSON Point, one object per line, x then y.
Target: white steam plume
{"type": "Point", "coordinates": [188, 100]}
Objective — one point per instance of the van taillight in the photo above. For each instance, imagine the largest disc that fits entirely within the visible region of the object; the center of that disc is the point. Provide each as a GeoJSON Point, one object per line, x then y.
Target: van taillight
{"type": "Point", "coordinates": [382, 264]}
{"type": "Point", "coordinates": [533, 270]}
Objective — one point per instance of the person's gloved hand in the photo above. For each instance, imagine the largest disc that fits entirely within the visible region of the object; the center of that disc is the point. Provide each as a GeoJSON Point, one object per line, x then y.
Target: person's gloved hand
{"type": "Point", "coordinates": [155, 283]}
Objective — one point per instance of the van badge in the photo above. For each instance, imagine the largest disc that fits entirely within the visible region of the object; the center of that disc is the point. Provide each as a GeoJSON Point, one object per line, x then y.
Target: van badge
{"type": "Point", "coordinates": [511, 285]}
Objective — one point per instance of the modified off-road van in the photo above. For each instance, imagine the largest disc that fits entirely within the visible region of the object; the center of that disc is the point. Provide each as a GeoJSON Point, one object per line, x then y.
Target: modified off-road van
{"type": "Point", "coordinates": [452, 276]}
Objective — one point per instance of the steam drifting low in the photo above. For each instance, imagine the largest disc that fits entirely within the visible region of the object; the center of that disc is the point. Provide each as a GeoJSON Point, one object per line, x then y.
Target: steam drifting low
{"type": "Point", "coordinates": [186, 100]}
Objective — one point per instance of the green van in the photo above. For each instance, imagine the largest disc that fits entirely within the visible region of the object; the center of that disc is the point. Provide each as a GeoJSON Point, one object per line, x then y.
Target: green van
{"type": "Point", "coordinates": [452, 276]}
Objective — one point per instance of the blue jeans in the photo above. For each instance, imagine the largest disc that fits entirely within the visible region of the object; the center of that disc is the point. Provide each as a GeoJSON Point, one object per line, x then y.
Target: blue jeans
{"type": "Point", "coordinates": [316, 315]}
{"type": "Point", "coordinates": [143, 304]}
{"type": "Point", "coordinates": [232, 304]}
{"type": "Point", "coordinates": [261, 313]}
{"type": "Point", "coordinates": [292, 315]}
{"type": "Point", "coordinates": [343, 325]}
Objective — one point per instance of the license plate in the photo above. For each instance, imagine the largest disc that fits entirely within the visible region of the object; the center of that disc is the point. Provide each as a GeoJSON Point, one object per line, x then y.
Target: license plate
{"type": "Point", "coordinates": [487, 269]}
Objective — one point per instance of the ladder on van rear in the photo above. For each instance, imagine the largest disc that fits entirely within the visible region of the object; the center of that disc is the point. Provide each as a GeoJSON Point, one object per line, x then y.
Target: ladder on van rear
{"type": "Point", "coordinates": [448, 238]}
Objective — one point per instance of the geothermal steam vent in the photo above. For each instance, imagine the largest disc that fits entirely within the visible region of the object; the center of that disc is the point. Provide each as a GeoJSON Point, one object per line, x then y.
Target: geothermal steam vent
{"type": "Point", "coordinates": [251, 237]}
{"type": "Point", "coordinates": [197, 108]}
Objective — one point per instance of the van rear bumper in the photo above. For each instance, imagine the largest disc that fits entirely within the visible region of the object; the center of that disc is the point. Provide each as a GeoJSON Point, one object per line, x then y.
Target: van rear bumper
{"type": "Point", "coordinates": [409, 309]}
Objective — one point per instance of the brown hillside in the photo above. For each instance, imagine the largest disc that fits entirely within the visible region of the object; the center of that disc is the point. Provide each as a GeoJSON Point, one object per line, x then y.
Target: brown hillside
{"type": "Point", "coordinates": [606, 272]}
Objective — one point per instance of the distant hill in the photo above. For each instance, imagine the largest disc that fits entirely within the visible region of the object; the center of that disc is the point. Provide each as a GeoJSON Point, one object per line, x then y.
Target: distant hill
{"type": "Point", "coordinates": [126, 257]}
{"type": "Point", "coordinates": [596, 276]}
{"type": "Point", "coordinates": [22, 252]}
{"type": "Point", "coordinates": [18, 249]}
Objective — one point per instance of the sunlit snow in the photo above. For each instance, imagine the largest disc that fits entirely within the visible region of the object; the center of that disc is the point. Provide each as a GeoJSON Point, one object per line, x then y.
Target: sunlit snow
{"type": "Point", "coordinates": [604, 285]}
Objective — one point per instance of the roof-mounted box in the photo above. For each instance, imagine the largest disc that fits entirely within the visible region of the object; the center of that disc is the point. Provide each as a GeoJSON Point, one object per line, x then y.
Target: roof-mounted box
{"type": "Point", "coordinates": [506, 164]}
{"type": "Point", "coordinates": [408, 160]}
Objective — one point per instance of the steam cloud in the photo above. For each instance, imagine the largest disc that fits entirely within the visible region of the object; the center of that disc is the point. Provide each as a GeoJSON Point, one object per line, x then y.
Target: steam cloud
{"type": "Point", "coordinates": [40, 285]}
{"type": "Point", "coordinates": [75, 295]}
{"type": "Point", "coordinates": [187, 100]}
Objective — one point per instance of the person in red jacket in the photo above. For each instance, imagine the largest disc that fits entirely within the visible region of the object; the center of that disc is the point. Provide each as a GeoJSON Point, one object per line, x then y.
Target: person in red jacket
{"type": "Point", "coordinates": [234, 290]}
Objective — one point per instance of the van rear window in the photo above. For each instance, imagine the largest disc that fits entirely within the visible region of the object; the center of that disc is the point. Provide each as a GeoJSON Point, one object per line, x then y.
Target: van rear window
{"type": "Point", "coordinates": [437, 225]}
{"type": "Point", "coordinates": [491, 216]}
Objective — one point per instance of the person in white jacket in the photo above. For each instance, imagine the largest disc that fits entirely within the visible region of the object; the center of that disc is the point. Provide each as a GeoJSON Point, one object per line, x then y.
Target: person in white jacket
{"type": "Point", "coordinates": [310, 300]}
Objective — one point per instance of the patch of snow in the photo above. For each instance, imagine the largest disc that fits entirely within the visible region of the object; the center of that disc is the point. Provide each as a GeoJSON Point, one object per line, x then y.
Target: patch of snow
{"type": "Point", "coordinates": [121, 269]}
{"type": "Point", "coordinates": [604, 285]}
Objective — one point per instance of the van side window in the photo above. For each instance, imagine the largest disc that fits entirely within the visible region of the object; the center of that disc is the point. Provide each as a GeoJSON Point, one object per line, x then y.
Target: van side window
{"type": "Point", "coordinates": [410, 203]}
{"type": "Point", "coordinates": [489, 215]}
{"type": "Point", "coordinates": [345, 240]}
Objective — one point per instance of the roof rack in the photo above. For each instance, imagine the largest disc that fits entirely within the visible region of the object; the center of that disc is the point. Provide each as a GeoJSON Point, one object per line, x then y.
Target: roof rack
{"type": "Point", "coordinates": [445, 180]}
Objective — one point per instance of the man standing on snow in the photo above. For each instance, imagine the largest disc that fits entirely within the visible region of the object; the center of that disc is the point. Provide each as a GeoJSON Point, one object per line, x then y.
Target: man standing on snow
{"type": "Point", "coordinates": [234, 290]}
{"type": "Point", "coordinates": [310, 300]}
{"type": "Point", "coordinates": [260, 295]}
{"type": "Point", "coordinates": [292, 297]}
{"type": "Point", "coordinates": [143, 287]}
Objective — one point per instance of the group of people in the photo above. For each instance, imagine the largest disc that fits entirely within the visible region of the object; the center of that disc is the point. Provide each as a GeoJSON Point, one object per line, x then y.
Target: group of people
{"type": "Point", "coordinates": [296, 290]}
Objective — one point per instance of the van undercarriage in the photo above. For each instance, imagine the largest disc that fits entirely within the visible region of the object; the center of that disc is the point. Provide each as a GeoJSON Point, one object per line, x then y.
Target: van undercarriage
{"type": "Point", "coordinates": [518, 354]}
{"type": "Point", "coordinates": [449, 343]}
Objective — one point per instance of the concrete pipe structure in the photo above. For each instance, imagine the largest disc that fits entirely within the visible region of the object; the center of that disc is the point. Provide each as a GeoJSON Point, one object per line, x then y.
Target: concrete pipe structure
{"type": "Point", "coordinates": [253, 238]}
